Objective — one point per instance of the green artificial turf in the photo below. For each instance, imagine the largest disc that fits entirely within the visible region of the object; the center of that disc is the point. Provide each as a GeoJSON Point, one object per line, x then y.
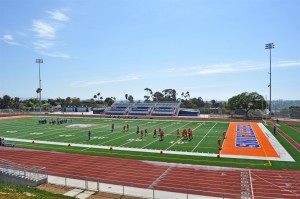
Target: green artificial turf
{"type": "Point", "coordinates": [295, 135]}
{"type": "Point", "coordinates": [205, 136]}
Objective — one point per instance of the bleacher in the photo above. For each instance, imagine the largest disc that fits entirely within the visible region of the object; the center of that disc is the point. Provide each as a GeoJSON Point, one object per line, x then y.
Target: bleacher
{"type": "Point", "coordinates": [98, 110]}
{"type": "Point", "coordinates": [17, 174]}
{"type": "Point", "coordinates": [166, 109]}
{"type": "Point", "coordinates": [141, 109]}
{"type": "Point", "coordinates": [118, 109]}
{"type": "Point", "coordinates": [76, 109]}
{"type": "Point", "coordinates": [189, 112]}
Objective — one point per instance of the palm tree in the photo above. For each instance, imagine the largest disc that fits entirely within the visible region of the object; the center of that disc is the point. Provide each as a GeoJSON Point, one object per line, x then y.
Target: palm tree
{"type": "Point", "coordinates": [187, 94]}
{"type": "Point", "coordinates": [126, 96]}
{"type": "Point", "coordinates": [98, 94]}
{"type": "Point", "coordinates": [182, 95]}
{"type": "Point", "coordinates": [149, 94]}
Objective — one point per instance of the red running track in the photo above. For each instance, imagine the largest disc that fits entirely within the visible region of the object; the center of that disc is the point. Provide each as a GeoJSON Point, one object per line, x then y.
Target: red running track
{"type": "Point", "coordinates": [289, 139]}
{"type": "Point", "coordinates": [193, 179]}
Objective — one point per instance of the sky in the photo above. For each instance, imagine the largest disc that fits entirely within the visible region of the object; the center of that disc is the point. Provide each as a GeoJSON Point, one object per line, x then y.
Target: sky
{"type": "Point", "coordinates": [215, 49]}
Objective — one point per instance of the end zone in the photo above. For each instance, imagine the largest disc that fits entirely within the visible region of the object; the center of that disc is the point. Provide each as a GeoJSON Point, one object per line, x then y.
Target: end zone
{"type": "Point", "coordinates": [253, 141]}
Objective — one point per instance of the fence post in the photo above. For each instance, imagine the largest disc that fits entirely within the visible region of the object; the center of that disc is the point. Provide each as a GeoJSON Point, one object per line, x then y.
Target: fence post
{"type": "Point", "coordinates": [65, 181]}
{"type": "Point", "coordinates": [123, 190]}
{"type": "Point", "coordinates": [153, 192]}
{"type": "Point", "coordinates": [187, 195]}
{"type": "Point", "coordinates": [86, 183]}
{"type": "Point", "coordinates": [98, 184]}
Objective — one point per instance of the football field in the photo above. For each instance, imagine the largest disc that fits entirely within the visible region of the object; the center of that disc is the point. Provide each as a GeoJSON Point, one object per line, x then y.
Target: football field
{"type": "Point", "coordinates": [72, 136]}
{"type": "Point", "coordinates": [75, 131]}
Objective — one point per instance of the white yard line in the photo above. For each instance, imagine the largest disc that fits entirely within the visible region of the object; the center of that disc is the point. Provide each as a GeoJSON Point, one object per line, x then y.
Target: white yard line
{"type": "Point", "coordinates": [203, 137]}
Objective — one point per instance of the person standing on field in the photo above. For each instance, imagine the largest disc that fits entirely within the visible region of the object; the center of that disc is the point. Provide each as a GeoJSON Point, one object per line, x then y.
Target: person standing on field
{"type": "Point", "coordinates": [89, 135]}
{"type": "Point", "coordinates": [112, 127]}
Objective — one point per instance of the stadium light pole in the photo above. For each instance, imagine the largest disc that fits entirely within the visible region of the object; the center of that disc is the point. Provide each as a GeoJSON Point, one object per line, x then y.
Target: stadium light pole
{"type": "Point", "coordinates": [270, 46]}
{"type": "Point", "coordinates": [40, 61]}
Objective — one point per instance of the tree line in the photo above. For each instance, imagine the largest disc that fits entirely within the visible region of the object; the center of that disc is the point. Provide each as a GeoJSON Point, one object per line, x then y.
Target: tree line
{"type": "Point", "coordinates": [240, 104]}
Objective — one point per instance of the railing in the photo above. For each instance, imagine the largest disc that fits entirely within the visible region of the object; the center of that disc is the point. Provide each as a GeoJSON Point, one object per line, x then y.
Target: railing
{"type": "Point", "coordinates": [143, 190]}
{"type": "Point", "coordinates": [34, 173]}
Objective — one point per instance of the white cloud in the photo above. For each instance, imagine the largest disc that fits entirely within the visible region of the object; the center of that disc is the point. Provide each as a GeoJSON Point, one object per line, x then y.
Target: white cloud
{"type": "Point", "coordinates": [44, 29]}
{"type": "Point", "coordinates": [216, 68]}
{"type": "Point", "coordinates": [54, 54]}
{"type": "Point", "coordinates": [46, 34]}
{"type": "Point", "coordinates": [223, 68]}
{"type": "Point", "coordinates": [287, 63]}
{"type": "Point", "coordinates": [229, 68]}
{"type": "Point", "coordinates": [9, 39]}
{"type": "Point", "coordinates": [43, 44]}
{"type": "Point", "coordinates": [57, 15]}
{"type": "Point", "coordinates": [85, 83]}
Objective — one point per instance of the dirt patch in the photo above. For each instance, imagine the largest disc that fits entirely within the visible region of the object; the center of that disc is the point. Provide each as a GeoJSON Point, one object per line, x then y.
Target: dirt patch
{"type": "Point", "coordinates": [54, 188]}
{"type": "Point", "coordinates": [102, 195]}
{"type": "Point", "coordinates": [58, 189]}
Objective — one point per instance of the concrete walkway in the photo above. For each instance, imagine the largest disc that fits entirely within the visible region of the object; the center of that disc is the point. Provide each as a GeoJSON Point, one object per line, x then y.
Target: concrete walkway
{"type": "Point", "coordinates": [79, 193]}
{"type": "Point", "coordinates": [83, 189]}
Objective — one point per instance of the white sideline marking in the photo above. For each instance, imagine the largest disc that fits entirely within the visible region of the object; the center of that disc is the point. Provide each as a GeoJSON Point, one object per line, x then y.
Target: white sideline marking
{"type": "Point", "coordinates": [281, 158]}
{"type": "Point", "coordinates": [280, 150]}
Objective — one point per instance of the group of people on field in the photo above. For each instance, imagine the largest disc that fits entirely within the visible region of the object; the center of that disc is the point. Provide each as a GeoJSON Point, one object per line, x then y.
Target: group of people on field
{"type": "Point", "coordinates": [161, 134]}
{"type": "Point", "coordinates": [52, 121]}
{"type": "Point", "coordinates": [186, 134]}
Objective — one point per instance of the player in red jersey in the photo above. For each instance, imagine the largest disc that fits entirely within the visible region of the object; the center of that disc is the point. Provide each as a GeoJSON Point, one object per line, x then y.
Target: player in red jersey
{"type": "Point", "coordinates": [178, 133]}
{"type": "Point", "coordinates": [219, 142]}
{"type": "Point", "coordinates": [146, 132]}
{"type": "Point", "coordinates": [127, 127]}
{"type": "Point", "coordinates": [161, 135]}
{"type": "Point", "coordinates": [184, 134]}
{"type": "Point", "coordinates": [224, 134]}
{"type": "Point", "coordinates": [190, 135]}
{"type": "Point", "coordinates": [154, 133]}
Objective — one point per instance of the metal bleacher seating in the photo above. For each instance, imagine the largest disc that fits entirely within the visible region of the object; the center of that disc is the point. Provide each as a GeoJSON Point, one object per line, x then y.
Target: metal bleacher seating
{"type": "Point", "coordinates": [188, 112]}
{"type": "Point", "coordinates": [98, 110]}
{"type": "Point", "coordinates": [144, 109]}
{"type": "Point", "coordinates": [141, 109]}
{"type": "Point", "coordinates": [13, 173]}
{"type": "Point", "coordinates": [166, 109]}
{"type": "Point", "coordinates": [118, 109]}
